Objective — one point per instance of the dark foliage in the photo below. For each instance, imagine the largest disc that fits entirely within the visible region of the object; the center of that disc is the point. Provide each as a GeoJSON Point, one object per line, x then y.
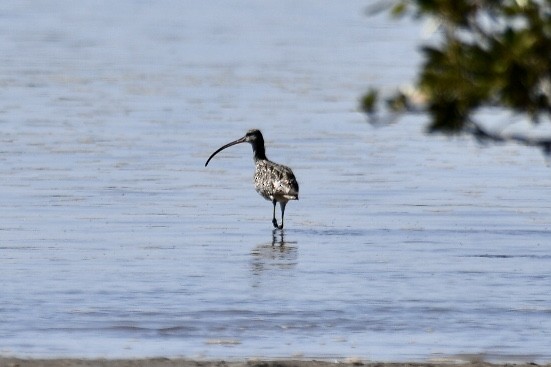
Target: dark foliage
{"type": "Point", "coordinates": [486, 53]}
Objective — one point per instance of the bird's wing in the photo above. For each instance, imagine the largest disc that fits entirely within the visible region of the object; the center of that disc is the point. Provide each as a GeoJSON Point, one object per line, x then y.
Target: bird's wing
{"type": "Point", "coordinates": [276, 180]}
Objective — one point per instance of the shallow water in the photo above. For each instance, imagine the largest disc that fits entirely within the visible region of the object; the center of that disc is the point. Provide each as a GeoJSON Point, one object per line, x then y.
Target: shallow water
{"type": "Point", "coordinates": [116, 241]}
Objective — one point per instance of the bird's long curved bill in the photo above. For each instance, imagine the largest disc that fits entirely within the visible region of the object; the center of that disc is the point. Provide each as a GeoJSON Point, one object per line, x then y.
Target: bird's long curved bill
{"type": "Point", "coordinates": [240, 140]}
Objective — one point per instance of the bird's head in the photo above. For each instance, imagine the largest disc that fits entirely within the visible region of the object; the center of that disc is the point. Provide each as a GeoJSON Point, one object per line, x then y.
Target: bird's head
{"type": "Point", "coordinates": [253, 136]}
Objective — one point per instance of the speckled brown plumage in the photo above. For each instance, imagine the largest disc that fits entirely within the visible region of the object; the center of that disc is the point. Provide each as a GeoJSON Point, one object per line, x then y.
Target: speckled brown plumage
{"type": "Point", "coordinates": [275, 182]}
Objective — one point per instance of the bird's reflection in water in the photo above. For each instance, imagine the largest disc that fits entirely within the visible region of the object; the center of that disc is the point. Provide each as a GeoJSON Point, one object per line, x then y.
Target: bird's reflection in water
{"type": "Point", "coordinates": [278, 254]}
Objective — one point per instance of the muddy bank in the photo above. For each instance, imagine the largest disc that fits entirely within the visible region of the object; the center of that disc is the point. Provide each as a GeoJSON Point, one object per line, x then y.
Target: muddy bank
{"type": "Point", "coordinates": [166, 362]}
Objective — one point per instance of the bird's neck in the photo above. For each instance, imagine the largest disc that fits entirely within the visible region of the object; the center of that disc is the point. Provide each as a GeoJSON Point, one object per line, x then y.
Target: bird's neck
{"type": "Point", "coordinates": [259, 152]}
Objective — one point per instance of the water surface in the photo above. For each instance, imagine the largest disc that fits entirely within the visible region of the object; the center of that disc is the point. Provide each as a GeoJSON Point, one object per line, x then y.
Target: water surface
{"type": "Point", "coordinates": [116, 241]}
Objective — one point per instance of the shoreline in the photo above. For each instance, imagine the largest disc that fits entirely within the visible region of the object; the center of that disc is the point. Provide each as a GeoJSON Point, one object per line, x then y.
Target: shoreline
{"type": "Point", "coordinates": [182, 362]}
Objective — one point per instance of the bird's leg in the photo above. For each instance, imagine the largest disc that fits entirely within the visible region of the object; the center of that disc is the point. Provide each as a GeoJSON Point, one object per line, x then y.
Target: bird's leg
{"type": "Point", "coordinates": [274, 220]}
{"type": "Point", "coordinates": [282, 205]}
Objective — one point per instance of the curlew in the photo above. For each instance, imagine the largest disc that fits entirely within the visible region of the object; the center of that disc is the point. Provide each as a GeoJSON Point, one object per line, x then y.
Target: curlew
{"type": "Point", "coordinates": [274, 182]}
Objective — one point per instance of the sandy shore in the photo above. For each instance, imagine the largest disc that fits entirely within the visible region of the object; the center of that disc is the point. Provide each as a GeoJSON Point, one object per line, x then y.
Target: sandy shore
{"type": "Point", "coordinates": [166, 362]}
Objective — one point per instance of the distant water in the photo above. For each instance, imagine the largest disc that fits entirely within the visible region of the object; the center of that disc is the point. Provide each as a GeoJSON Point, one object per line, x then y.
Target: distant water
{"type": "Point", "coordinates": [116, 241]}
